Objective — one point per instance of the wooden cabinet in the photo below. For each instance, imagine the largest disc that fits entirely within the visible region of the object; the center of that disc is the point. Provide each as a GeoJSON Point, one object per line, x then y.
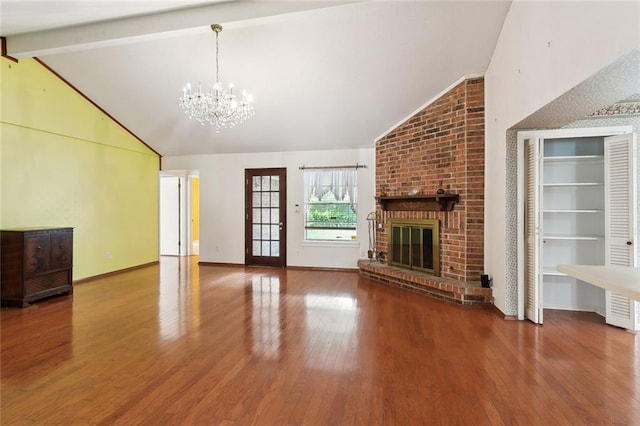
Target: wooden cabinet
{"type": "Point", "coordinates": [35, 263]}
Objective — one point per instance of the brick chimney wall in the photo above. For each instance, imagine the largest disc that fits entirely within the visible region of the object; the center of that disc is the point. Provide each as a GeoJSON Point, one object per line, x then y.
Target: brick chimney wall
{"type": "Point", "coordinates": [441, 146]}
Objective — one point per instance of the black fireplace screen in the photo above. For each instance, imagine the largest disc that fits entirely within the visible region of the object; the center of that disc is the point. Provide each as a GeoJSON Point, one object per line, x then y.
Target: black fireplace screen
{"type": "Point", "coordinates": [414, 244]}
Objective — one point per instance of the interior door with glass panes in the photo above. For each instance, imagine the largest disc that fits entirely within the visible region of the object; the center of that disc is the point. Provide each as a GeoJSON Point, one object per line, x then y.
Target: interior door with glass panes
{"type": "Point", "coordinates": [265, 217]}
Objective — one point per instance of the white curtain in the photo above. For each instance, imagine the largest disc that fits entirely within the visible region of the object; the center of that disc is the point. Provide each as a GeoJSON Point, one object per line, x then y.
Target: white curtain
{"type": "Point", "coordinates": [341, 182]}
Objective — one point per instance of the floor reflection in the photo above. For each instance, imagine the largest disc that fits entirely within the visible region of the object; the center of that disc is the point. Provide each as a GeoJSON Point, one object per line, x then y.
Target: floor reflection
{"type": "Point", "coordinates": [178, 297]}
{"type": "Point", "coordinates": [331, 327]}
{"type": "Point", "coordinates": [336, 303]}
{"type": "Point", "coordinates": [267, 315]}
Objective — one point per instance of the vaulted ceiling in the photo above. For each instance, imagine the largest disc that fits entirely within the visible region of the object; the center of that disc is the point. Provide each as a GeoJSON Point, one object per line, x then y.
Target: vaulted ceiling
{"type": "Point", "coordinates": [324, 74]}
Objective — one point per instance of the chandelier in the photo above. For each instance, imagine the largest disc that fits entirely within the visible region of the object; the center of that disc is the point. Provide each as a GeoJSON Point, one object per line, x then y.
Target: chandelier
{"type": "Point", "coordinates": [216, 106]}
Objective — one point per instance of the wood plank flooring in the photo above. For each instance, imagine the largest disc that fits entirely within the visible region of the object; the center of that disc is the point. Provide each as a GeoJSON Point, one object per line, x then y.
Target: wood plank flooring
{"type": "Point", "coordinates": [178, 343]}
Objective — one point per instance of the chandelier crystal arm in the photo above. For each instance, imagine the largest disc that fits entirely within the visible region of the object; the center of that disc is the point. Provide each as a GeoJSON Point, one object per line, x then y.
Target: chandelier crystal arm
{"type": "Point", "coordinates": [216, 106]}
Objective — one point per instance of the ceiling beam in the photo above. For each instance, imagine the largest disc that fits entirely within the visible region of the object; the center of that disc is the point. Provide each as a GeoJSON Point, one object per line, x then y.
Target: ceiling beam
{"type": "Point", "coordinates": [155, 26]}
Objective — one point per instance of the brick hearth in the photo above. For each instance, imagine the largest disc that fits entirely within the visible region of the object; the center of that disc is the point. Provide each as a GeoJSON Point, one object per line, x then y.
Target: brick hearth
{"type": "Point", "coordinates": [441, 288]}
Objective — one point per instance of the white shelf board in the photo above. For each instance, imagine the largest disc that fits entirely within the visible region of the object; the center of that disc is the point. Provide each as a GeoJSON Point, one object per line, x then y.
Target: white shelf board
{"type": "Point", "coordinates": [572, 237]}
{"type": "Point", "coordinates": [573, 211]}
{"type": "Point", "coordinates": [574, 157]}
{"type": "Point", "coordinates": [571, 184]}
{"type": "Point", "coordinates": [549, 270]}
{"type": "Point", "coordinates": [623, 280]}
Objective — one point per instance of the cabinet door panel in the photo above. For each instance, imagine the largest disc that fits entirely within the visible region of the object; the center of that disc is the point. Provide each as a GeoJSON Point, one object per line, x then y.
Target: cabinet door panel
{"type": "Point", "coordinates": [533, 279]}
{"type": "Point", "coordinates": [37, 252]}
{"type": "Point", "coordinates": [61, 249]}
{"type": "Point", "coordinates": [621, 223]}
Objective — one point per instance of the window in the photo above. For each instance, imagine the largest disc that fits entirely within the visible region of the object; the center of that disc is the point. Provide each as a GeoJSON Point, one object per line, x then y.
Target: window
{"type": "Point", "coordinates": [330, 204]}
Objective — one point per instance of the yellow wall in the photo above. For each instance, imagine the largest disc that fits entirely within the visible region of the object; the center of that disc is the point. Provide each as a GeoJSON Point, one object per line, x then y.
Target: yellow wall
{"type": "Point", "coordinates": [195, 208]}
{"type": "Point", "coordinates": [65, 163]}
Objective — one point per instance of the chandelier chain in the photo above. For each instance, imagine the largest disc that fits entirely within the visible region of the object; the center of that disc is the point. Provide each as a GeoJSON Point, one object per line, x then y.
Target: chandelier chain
{"type": "Point", "coordinates": [217, 66]}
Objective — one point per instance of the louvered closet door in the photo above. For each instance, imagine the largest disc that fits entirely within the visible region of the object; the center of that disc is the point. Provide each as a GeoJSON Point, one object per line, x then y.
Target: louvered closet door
{"type": "Point", "coordinates": [620, 223]}
{"type": "Point", "coordinates": [533, 284]}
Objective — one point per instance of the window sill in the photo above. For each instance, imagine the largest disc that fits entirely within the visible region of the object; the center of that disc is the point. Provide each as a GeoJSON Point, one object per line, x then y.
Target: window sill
{"type": "Point", "coordinates": [331, 243]}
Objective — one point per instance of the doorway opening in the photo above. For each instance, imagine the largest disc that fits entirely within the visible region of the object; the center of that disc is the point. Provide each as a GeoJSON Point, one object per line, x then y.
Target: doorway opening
{"type": "Point", "coordinates": [179, 213]}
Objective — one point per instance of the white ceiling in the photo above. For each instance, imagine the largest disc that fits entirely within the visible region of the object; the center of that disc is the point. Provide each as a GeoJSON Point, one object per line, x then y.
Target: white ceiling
{"type": "Point", "coordinates": [22, 16]}
{"type": "Point", "coordinates": [324, 74]}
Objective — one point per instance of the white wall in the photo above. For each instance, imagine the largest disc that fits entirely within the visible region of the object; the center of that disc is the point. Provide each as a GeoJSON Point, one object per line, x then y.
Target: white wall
{"type": "Point", "coordinates": [544, 49]}
{"type": "Point", "coordinates": [222, 204]}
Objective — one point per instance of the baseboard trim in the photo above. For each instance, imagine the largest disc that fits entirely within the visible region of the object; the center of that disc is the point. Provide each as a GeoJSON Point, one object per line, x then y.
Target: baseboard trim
{"type": "Point", "coordinates": [323, 268]}
{"type": "Point", "coordinates": [119, 271]}
{"type": "Point", "coordinates": [235, 265]}
{"type": "Point", "coordinates": [302, 268]}
{"type": "Point", "coordinates": [501, 314]}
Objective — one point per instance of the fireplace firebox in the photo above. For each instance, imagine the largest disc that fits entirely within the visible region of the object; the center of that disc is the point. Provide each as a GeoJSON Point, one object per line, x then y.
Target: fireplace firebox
{"type": "Point", "coordinates": [415, 244]}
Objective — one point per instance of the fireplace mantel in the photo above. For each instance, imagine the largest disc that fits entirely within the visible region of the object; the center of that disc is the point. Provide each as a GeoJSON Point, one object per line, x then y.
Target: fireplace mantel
{"type": "Point", "coordinates": [436, 202]}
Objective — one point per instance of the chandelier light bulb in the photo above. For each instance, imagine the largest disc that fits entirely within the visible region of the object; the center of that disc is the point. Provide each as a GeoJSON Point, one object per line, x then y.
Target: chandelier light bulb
{"type": "Point", "coordinates": [216, 106]}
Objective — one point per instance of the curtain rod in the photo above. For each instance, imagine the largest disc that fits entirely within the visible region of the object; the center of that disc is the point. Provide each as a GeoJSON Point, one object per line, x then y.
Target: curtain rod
{"type": "Point", "coordinates": [351, 166]}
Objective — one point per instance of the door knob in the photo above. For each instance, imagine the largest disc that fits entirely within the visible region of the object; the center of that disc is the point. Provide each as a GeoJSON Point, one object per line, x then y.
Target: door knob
{"type": "Point", "coordinates": [629, 243]}
{"type": "Point", "coordinates": [281, 224]}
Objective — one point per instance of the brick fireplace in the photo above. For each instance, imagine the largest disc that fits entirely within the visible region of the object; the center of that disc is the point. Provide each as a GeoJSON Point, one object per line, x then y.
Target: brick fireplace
{"type": "Point", "coordinates": [432, 167]}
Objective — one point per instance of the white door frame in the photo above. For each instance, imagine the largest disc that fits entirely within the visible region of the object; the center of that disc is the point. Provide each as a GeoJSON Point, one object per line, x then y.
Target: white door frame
{"type": "Point", "coordinates": [521, 149]}
{"type": "Point", "coordinates": [184, 207]}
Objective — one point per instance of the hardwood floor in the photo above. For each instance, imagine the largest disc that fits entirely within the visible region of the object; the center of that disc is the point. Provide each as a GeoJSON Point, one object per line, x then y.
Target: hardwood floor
{"type": "Point", "coordinates": [178, 343]}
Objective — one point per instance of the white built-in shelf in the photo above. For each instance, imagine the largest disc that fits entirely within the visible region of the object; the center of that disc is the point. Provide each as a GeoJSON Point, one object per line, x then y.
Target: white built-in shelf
{"type": "Point", "coordinates": [574, 157]}
{"type": "Point", "coordinates": [622, 280]}
{"type": "Point", "coordinates": [550, 270]}
{"type": "Point", "coordinates": [574, 211]}
{"type": "Point", "coordinates": [573, 237]}
{"type": "Point", "coordinates": [574, 184]}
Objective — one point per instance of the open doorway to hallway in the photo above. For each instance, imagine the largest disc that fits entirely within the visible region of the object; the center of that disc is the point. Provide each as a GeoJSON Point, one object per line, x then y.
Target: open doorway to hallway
{"type": "Point", "coordinates": [179, 213]}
